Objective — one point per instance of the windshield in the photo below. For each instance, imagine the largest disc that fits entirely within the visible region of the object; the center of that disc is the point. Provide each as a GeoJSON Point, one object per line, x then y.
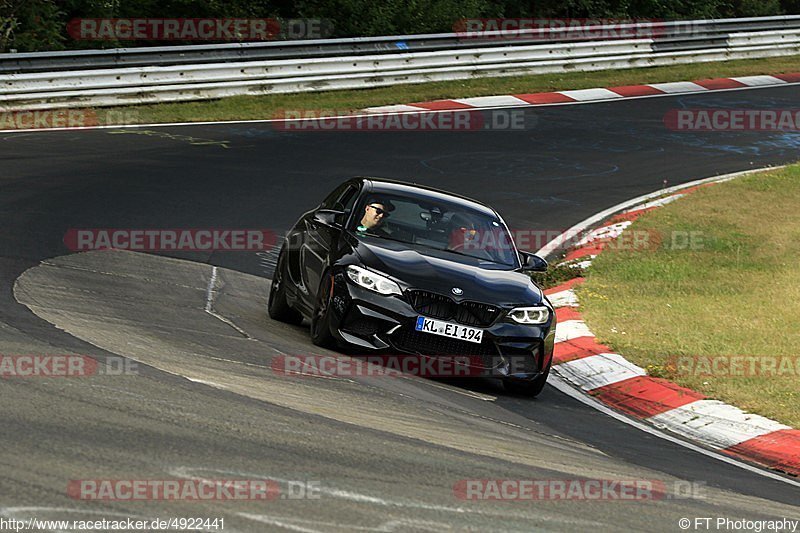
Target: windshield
{"type": "Point", "coordinates": [435, 224]}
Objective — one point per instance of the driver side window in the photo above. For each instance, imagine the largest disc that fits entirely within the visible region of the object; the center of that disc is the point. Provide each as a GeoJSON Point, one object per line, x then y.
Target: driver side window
{"type": "Point", "coordinates": [332, 198]}
{"type": "Point", "coordinates": [347, 199]}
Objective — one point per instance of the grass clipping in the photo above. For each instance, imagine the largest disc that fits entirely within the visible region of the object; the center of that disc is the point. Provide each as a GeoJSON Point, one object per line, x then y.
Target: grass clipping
{"type": "Point", "coordinates": [717, 303]}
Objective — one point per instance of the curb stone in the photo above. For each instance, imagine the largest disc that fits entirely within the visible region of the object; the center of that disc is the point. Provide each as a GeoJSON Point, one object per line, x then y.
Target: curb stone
{"type": "Point", "coordinates": [607, 376]}
{"type": "Point", "coordinates": [591, 95]}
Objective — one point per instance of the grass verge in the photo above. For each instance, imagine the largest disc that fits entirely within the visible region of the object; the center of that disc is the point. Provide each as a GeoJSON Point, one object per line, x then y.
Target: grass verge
{"type": "Point", "coordinates": [734, 290]}
{"type": "Point", "coordinates": [557, 275]}
{"type": "Point", "coordinates": [268, 106]}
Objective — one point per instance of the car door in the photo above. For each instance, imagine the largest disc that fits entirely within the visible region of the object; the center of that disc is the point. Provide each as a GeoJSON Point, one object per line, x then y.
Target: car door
{"type": "Point", "coordinates": [321, 239]}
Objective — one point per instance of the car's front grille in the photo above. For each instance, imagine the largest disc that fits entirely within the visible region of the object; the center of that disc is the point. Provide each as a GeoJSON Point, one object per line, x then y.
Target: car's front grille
{"type": "Point", "coordinates": [476, 314]}
{"type": "Point", "coordinates": [410, 340]}
{"type": "Point", "coordinates": [435, 305]}
{"type": "Point", "coordinates": [432, 304]}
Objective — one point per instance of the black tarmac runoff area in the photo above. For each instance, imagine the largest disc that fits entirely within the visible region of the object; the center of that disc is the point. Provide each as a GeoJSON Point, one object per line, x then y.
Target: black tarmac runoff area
{"type": "Point", "coordinates": [188, 391]}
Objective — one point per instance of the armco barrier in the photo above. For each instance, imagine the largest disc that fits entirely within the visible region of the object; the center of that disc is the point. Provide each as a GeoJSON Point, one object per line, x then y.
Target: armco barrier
{"type": "Point", "coordinates": [166, 81]}
{"type": "Point", "coordinates": [674, 34]}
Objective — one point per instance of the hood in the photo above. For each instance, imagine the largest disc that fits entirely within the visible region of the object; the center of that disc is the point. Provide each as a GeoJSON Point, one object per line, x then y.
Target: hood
{"type": "Point", "coordinates": [439, 271]}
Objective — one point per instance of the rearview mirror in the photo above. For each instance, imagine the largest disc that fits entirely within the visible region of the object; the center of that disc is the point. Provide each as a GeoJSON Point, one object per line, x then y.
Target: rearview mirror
{"type": "Point", "coordinates": [532, 262]}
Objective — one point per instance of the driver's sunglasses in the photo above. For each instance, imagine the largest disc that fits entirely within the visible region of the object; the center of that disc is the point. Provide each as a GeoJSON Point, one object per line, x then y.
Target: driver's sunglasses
{"type": "Point", "coordinates": [380, 211]}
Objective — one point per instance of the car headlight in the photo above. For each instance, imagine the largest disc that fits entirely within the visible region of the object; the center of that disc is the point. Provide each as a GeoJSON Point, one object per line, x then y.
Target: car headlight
{"type": "Point", "coordinates": [530, 315]}
{"type": "Point", "coordinates": [372, 281]}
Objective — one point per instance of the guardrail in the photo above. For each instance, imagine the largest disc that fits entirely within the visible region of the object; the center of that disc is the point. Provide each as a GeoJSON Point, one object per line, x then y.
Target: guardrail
{"type": "Point", "coordinates": [319, 65]}
{"type": "Point", "coordinates": [235, 52]}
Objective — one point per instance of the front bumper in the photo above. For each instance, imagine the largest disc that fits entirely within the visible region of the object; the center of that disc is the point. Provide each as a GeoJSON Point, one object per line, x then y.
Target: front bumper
{"type": "Point", "coordinates": [377, 323]}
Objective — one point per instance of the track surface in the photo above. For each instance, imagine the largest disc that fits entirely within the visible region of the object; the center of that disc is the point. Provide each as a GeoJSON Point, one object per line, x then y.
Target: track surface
{"type": "Point", "coordinates": [379, 474]}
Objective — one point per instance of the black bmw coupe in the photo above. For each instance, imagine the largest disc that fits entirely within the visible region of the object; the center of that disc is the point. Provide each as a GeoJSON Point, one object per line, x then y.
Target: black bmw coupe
{"type": "Point", "coordinates": [386, 266]}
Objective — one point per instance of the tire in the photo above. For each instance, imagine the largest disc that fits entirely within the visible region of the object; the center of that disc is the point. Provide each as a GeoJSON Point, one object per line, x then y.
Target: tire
{"type": "Point", "coordinates": [321, 319]}
{"type": "Point", "coordinates": [530, 389]}
{"type": "Point", "coordinates": [277, 307]}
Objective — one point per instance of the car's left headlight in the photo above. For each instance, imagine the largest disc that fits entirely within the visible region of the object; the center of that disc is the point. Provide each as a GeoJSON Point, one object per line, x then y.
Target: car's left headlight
{"type": "Point", "coordinates": [530, 315]}
{"type": "Point", "coordinates": [372, 280]}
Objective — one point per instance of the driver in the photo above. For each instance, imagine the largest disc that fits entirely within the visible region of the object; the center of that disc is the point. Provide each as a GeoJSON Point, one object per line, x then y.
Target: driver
{"type": "Point", "coordinates": [375, 214]}
{"type": "Point", "coordinates": [465, 234]}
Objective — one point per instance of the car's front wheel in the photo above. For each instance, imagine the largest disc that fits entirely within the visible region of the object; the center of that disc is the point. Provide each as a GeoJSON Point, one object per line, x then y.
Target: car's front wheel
{"type": "Point", "coordinates": [321, 319]}
{"type": "Point", "coordinates": [530, 388]}
{"type": "Point", "coordinates": [277, 306]}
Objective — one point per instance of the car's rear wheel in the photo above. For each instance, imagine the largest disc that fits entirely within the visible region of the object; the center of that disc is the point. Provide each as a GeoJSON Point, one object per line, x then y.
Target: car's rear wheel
{"type": "Point", "coordinates": [321, 319]}
{"type": "Point", "coordinates": [277, 307]}
{"type": "Point", "coordinates": [530, 388]}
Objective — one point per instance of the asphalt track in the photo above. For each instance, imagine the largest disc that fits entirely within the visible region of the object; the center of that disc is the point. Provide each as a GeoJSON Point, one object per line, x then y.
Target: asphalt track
{"type": "Point", "coordinates": [386, 453]}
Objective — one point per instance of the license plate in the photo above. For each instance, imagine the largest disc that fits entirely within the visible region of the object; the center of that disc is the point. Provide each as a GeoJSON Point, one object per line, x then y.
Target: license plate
{"type": "Point", "coordinates": [447, 329]}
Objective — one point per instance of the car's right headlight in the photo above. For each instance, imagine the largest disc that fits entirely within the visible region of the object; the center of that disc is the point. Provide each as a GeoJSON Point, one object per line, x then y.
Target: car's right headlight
{"type": "Point", "coordinates": [372, 280]}
{"type": "Point", "coordinates": [530, 315]}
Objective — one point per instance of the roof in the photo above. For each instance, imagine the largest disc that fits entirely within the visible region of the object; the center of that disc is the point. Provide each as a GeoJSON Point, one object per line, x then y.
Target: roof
{"type": "Point", "coordinates": [390, 186]}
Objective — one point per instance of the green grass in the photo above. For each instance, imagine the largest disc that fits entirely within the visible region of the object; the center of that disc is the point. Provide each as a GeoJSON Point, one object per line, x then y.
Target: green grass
{"type": "Point", "coordinates": [557, 274]}
{"type": "Point", "coordinates": [268, 106]}
{"type": "Point", "coordinates": [737, 293]}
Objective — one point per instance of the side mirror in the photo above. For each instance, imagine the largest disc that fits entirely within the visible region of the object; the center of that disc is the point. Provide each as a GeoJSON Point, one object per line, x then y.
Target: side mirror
{"type": "Point", "coordinates": [329, 217]}
{"type": "Point", "coordinates": [532, 262]}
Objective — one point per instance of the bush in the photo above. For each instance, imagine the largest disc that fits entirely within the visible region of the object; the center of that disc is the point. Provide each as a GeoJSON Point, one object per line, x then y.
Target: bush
{"type": "Point", "coordinates": [557, 274]}
{"type": "Point", "coordinates": [32, 25]}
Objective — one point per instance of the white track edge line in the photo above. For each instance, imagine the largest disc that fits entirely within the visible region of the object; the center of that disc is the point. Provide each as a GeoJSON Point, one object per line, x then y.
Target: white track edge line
{"type": "Point", "coordinates": [548, 248]}
{"type": "Point", "coordinates": [561, 385]}
{"type": "Point", "coordinates": [357, 115]}
{"type": "Point", "coordinates": [209, 308]}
